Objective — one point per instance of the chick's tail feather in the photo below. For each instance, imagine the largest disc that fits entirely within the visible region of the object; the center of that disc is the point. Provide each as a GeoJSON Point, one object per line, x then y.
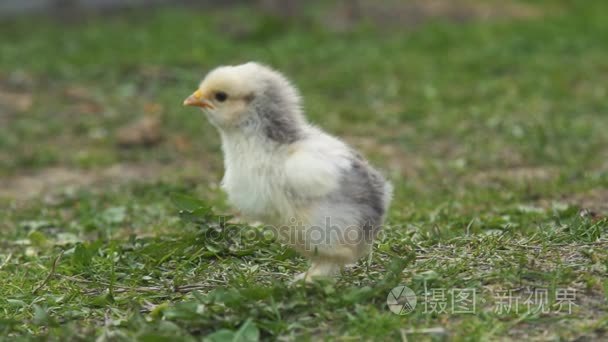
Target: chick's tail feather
{"type": "Point", "coordinates": [388, 196]}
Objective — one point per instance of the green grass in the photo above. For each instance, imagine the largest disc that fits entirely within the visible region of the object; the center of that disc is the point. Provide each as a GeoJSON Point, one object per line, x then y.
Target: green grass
{"type": "Point", "coordinates": [493, 132]}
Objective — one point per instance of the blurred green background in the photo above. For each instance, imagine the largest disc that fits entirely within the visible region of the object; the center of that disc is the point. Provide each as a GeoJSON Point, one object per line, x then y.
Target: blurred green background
{"type": "Point", "coordinates": [490, 117]}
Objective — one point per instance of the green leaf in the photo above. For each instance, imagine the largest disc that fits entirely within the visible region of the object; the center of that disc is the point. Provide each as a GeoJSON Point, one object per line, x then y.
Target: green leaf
{"type": "Point", "coordinates": [16, 302]}
{"type": "Point", "coordinates": [114, 215]}
{"type": "Point", "coordinates": [427, 275]}
{"type": "Point", "coordinates": [393, 274]}
{"type": "Point", "coordinates": [37, 239]}
{"type": "Point", "coordinates": [183, 311]}
{"type": "Point", "coordinates": [167, 327]}
{"type": "Point", "coordinates": [35, 225]}
{"type": "Point", "coordinates": [158, 310]}
{"type": "Point", "coordinates": [102, 300]}
{"type": "Point", "coordinates": [196, 215]}
{"type": "Point", "coordinates": [223, 335]}
{"type": "Point", "coordinates": [226, 296]}
{"type": "Point", "coordinates": [248, 332]}
{"type": "Point", "coordinates": [7, 324]}
{"type": "Point", "coordinates": [358, 295]}
{"type": "Point", "coordinates": [42, 318]}
{"type": "Point", "coordinates": [83, 254]}
{"type": "Point", "coordinates": [187, 203]}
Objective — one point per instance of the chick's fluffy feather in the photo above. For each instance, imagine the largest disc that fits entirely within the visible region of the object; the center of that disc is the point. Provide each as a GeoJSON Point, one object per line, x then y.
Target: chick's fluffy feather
{"type": "Point", "coordinates": [324, 199]}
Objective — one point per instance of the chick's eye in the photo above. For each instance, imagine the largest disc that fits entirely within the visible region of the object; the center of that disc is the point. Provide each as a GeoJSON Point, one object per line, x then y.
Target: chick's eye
{"type": "Point", "coordinates": [221, 96]}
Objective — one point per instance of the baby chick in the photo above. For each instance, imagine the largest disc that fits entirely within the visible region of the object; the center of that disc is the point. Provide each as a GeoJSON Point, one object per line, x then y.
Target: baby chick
{"type": "Point", "coordinates": [319, 195]}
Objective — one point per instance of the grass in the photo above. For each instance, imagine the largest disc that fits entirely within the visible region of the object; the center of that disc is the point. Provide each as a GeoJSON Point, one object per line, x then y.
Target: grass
{"type": "Point", "coordinates": [493, 132]}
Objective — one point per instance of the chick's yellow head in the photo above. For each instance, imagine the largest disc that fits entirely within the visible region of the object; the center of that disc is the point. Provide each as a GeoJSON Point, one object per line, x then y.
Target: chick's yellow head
{"type": "Point", "coordinates": [226, 93]}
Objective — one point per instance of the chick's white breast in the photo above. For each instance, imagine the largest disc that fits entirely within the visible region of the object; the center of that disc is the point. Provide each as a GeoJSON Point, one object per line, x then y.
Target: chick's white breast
{"type": "Point", "coordinates": [254, 181]}
{"type": "Point", "coordinates": [286, 184]}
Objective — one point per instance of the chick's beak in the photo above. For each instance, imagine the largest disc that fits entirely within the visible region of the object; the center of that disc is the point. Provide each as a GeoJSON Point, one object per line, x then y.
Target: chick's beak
{"type": "Point", "coordinates": [197, 100]}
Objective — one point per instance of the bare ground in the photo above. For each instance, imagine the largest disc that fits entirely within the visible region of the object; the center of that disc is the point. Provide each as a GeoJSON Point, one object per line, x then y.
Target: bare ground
{"type": "Point", "coordinates": [49, 181]}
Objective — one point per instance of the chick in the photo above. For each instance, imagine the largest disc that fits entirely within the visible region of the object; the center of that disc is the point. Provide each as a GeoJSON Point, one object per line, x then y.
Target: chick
{"type": "Point", "coordinates": [320, 196]}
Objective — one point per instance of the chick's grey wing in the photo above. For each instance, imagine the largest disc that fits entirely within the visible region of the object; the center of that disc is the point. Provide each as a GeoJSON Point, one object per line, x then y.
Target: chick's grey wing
{"type": "Point", "coordinates": [365, 190]}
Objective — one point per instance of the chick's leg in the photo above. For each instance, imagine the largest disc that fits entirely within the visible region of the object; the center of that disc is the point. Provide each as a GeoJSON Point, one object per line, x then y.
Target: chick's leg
{"type": "Point", "coordinates": [324, 269]}
{"type": "Point", "coordinates": [305, 275]}
{"type": "Point", "coordinates": [319, 269]}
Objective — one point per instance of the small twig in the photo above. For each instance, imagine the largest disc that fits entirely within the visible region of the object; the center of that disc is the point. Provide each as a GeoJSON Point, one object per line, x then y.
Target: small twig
{"type": "Point", "coordinates": [6, 261]}
{"type": "Point", "coordinates": [117, 288]}
{"type": "Point", "coordinates": [122, 289]}
{"type": "Point", "coordinates": [79, 280]}
{"type": "Point", "coordinates": [434, 331]}
{"type": "Point", "coordinates": [468, 228]}
{"type": "Point", "coordinates": [50, 275]}
{"type": "Point", "coordinates": [403, 335]}
{"type": "Point", "coordinates": [596, 243]}
{"type": "Point", "coordinates": [190, 288]}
